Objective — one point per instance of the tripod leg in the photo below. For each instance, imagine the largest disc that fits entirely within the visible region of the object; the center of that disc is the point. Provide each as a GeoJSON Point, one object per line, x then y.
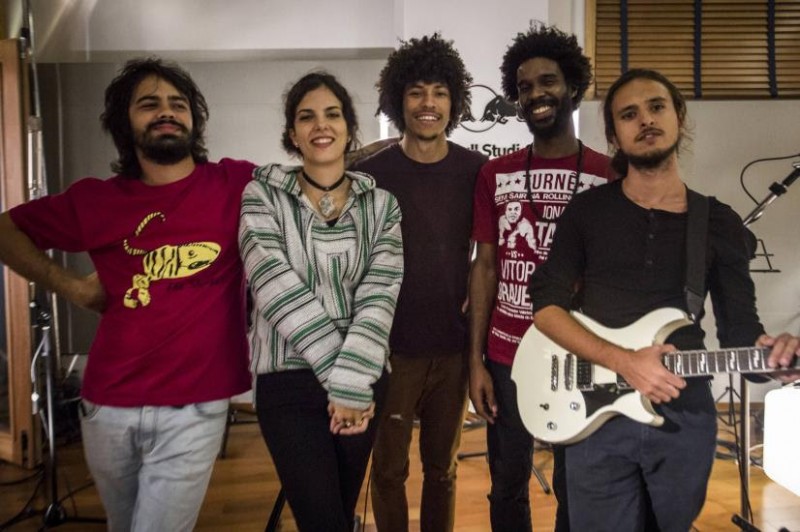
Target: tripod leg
{"type": "Point", "coordinates": [277, 509]}
{"type": "Point", "coordinates": [542, 481]}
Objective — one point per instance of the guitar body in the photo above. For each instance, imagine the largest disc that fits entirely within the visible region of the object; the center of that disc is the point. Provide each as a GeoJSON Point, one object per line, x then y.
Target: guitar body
{"type": "Point", "coordinates": [558, 406]}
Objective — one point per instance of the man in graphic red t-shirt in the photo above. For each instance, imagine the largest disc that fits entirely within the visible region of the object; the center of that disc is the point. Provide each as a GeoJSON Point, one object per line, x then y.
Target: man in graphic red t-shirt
{"type": "Point", "coordinates": [518, 199]}
{"type": "Point", "coordinates": [170, 348]}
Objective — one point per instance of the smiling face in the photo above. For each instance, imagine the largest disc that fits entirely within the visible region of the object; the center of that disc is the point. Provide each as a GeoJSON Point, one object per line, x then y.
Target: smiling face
{"type": "Point", "coordinates": [646, 125]}
{"type": "Point", "coordinates": [426, 110]}
{"type": "Point", "coordinates": [544, 97]}
{"type": "Point", "coordinates": [161, 121]}
{"type": "Point", "coordinates": [320, 130]}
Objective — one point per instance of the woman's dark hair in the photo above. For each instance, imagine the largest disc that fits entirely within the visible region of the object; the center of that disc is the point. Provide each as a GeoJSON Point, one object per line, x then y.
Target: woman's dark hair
{"type": "Point", "coordinates": [297, 92]}
{"type": "Point", "coordinates": [551, 43]}
{"type": "Point", "coordinates": [429, 59]}
{"type": "Point", "coordinates": [116, 121]}
{"type": "Point", "coordinates": [619, 161]}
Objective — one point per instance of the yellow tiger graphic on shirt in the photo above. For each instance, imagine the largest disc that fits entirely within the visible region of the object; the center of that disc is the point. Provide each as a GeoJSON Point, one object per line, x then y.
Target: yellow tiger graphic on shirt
{"type": "Point", "coordinates": [166, 262]}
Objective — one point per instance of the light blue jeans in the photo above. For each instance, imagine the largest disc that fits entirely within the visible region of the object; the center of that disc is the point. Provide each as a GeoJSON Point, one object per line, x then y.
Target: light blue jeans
{"type": "Point", "coordinates": [152, 464]}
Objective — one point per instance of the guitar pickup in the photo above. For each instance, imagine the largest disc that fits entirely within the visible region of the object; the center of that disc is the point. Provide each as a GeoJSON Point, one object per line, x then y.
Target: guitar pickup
{"type": "Point", "coordinates": [569, 364]}
{"type": "Point", "coordinates": [554, 373]}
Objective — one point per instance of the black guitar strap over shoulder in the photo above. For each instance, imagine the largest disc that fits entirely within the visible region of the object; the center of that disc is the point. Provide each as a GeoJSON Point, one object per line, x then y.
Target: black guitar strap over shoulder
{"type": "Point", "coordinates": [696, 242]}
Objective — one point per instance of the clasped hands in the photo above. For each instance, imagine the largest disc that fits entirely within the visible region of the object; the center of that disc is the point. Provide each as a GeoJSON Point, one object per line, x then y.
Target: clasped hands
{"type": "Point", "coordinates": [348, 421]}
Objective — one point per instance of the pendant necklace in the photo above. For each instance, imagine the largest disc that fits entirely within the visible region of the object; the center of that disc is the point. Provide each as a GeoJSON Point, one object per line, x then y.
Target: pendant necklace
{"type": "Point", "coordinates": [327, 207]}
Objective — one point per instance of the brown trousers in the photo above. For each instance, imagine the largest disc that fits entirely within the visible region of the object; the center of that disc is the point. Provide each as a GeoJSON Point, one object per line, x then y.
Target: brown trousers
{"type": "Point", "coordinates": [434, 390]}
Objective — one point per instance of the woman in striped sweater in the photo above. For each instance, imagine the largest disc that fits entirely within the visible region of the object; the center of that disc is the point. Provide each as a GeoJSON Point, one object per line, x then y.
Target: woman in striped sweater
{"type": "Point", "coordinates": [323, 255]}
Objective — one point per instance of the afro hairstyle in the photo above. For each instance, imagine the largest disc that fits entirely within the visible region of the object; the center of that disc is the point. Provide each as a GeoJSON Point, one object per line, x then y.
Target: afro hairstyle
{"type": "Point", "coordinates": [549, 42]}
{"type": "Point", "coordinates": [429, 59]}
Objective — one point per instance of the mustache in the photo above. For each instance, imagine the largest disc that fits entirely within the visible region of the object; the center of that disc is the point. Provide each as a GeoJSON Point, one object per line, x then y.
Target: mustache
{"type": "Point", "coordinates": [169, 121]}
{"type": "Point", "coordinates": [649, 131]}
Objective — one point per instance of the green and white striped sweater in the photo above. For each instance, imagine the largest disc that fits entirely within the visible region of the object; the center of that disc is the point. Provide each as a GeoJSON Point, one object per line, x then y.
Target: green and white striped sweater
{"type": "Point", "coordinates": [324, 297]}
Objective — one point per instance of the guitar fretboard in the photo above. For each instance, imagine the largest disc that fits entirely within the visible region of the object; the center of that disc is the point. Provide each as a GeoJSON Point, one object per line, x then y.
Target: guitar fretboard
{"type": "Point", "coordinates": [702, 362]}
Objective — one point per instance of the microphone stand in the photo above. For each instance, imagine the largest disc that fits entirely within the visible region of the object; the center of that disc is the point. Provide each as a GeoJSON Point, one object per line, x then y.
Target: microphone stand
{"type": "Point", "coordinates": [744, 519]}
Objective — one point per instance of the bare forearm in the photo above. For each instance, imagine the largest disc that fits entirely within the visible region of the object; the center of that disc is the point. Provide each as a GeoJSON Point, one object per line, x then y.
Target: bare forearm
{"type": "Point", "coordinates": [19, 253]}
{"type": "Point", "coordinates": [558, 325]}
{"type": "Point", "coordinates": [482, 291]}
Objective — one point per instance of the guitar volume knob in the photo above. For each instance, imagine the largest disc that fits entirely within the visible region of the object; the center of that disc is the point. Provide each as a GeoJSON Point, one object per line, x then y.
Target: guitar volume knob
{"type": "Point", "coordinates": [574, 406]}
{"type": "Point", "coordinates": [552, 426]}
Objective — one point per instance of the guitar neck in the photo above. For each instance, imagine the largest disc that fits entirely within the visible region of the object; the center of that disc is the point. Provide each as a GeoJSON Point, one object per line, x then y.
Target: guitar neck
{"type": "Point", "coordinates": [702, 362]}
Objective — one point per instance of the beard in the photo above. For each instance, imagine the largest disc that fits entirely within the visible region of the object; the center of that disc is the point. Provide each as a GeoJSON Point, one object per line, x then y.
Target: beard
{"type": "Point", "coordinates": [652, 160]}
{"type": "Point", "coordinates": [165, 149]}
{"type": "Point", "coordinates": [559, 122]}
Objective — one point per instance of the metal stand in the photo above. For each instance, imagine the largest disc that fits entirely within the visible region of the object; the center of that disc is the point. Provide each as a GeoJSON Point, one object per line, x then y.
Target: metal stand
{"type": "Point", "coordinates": [744, 521]}
{"type": "Point", "coordinates": [54, 514]}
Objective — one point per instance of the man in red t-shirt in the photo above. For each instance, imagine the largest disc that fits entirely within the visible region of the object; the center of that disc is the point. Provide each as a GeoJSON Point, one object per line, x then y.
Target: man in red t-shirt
{"type": "Point", "coordinates": [170, 348]}
{"type": "Point", "coordinates": [518, 199]}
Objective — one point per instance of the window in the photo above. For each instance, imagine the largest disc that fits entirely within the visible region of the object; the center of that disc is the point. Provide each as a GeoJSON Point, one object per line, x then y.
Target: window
{"type": "Point", "coordinates": [708, 48]}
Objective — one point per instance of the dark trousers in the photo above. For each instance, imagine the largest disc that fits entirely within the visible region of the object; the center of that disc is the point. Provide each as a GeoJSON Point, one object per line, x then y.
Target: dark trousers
{"type": "Point", "coordinates": [629, 477]}
{"type": "Point", "coordinates": [321, 473]}
{"type": "Point", "coordinates": [510, 447]}
{"type": "Point", "coordinates": [434, 390]}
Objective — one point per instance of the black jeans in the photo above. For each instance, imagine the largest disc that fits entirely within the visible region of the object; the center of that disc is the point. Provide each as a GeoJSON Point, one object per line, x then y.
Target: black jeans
{"type": "Point", "coordinates": [629, 477]}
{"type": "Point", "coordinates": [321, 473]}
{"type": "Point", "coordinates": [510, 448]}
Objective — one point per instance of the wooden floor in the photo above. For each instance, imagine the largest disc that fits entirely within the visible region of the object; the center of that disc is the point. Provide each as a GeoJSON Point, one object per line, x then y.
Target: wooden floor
{"type": "Point", "coordinates": [244, 487]}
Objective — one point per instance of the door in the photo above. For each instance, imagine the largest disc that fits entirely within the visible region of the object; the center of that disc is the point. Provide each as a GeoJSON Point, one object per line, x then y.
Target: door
{"type": "Point", "coordinates": [19, 433]}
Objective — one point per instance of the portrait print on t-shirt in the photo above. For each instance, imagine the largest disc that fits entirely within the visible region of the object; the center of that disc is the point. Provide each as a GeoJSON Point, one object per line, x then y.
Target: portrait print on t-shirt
{"type": "Point", "coordinates": [166, 262]}
{"type": "Point", "coordinates": [526, 230]}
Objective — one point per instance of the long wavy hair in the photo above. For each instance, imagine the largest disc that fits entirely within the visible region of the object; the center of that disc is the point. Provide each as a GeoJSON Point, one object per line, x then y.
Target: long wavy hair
{"type": "Point", "coordinates": [116, 120]}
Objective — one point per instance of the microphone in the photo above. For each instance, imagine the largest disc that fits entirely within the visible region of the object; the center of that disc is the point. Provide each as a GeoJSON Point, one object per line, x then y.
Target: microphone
{"type": "Point", "coordinates": [780, 188]}
{"type": "Point", "coordinates": [776, 189]}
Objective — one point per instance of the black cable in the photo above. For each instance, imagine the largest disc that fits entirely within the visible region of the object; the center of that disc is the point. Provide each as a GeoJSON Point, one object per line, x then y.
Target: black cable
{"type": "Point", "coordinates": [748, 165]}
{"type": "Point", "coordinates": [25, 509]}
{"type": "Point", "coordinates": [39, 470]}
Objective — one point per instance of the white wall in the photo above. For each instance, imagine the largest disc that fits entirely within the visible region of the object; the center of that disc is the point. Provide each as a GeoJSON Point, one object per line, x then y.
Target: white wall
{"type": "Point", "coordinates": [201, 30]}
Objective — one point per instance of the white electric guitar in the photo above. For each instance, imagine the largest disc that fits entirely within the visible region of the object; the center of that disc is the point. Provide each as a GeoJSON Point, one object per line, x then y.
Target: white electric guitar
{"type": "Point", "coordinates": [564, 399]}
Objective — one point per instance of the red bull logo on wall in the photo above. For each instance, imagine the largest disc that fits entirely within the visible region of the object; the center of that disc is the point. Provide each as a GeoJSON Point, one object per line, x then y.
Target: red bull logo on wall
{"type": "Point", "coordinates": [488, 109]}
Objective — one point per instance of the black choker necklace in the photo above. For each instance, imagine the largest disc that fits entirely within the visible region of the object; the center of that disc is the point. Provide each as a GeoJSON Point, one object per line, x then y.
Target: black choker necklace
{"type": "Point", "coordinates": [326, 205]}
{"type": "Point", "coordinates": [579, 168]}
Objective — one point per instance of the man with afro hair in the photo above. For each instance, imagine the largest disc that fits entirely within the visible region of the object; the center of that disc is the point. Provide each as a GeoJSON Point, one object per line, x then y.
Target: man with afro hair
{"type": "Point", "coordinates": [545, 72]}
{"type": "Point", "coordinates": [424, 90]}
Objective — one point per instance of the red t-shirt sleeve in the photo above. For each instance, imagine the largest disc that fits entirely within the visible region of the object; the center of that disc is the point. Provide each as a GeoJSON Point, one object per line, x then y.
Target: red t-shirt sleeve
{"type": "Point", "coordinates": [54, 222]}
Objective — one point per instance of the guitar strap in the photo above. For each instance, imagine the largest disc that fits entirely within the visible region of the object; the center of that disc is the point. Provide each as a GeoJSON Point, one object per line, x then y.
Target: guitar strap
{"type": "Point", "coordinates": [696, 242]}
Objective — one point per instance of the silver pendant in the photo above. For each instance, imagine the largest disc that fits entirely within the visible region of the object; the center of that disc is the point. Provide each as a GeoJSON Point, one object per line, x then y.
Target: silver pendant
{"type": "Point", "coordinates": [326, 205]}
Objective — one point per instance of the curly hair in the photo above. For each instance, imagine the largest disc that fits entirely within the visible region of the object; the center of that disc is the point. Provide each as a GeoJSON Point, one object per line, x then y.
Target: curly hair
{"type": "Point", "coordinates": [298, 91]}
{"type": "Point", "coordinates": [430, 59]}
{"type": "Point", "coordinates": [549, 42]}
{"type": "Point", "coordinates": [116, 120]}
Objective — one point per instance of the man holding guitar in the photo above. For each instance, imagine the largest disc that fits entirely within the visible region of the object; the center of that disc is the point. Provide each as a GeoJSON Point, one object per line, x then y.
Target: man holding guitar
{"type": "Point", "coordinates": [626, 243]}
